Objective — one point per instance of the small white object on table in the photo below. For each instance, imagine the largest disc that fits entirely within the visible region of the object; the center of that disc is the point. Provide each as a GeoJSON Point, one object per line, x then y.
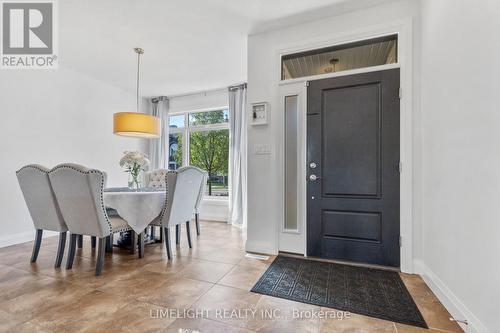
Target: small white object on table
{"type": "Point", "coordinates": [137, 207]}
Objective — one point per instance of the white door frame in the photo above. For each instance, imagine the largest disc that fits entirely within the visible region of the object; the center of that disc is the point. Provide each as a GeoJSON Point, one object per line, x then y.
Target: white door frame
{"type": "Point", "coordinates": [403, 28]}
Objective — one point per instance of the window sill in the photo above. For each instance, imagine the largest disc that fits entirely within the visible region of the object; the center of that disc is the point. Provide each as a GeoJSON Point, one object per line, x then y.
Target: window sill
{"type": "Point", "coordinates": [216, 201]}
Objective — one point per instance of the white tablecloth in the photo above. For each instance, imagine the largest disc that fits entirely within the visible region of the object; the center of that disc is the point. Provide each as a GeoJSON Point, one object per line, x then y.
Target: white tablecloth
{"type": "Point", "coordinates": [137, 208]}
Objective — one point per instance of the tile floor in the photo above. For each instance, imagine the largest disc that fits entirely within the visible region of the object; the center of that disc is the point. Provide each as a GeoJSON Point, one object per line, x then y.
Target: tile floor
{"type": "Point", "coordinates": [212, 280]}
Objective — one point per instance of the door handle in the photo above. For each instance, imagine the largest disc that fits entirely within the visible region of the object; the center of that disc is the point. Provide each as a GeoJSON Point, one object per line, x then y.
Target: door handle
{"type": "Point", "coordinates": [313, 178]}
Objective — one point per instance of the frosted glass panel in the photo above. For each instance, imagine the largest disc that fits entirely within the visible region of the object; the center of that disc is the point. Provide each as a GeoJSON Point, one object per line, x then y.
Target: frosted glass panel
{"type": "Point", "coordinates": [291, 167]}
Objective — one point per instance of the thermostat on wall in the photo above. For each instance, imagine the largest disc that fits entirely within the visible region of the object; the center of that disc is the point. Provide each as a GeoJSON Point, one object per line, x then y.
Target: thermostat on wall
{"type": "Point", "coordinates": [259, 113]}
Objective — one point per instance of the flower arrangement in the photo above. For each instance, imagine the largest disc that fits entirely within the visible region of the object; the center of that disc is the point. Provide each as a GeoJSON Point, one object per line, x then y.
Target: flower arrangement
{"type": "Point", "coordinates": [134, 162]}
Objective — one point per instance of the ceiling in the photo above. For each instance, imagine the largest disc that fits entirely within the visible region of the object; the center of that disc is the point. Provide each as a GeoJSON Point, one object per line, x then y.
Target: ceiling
{"type": "Point", "coordinates": [325, 62]}
{"type": "Point", "coordinates": [190, 45]}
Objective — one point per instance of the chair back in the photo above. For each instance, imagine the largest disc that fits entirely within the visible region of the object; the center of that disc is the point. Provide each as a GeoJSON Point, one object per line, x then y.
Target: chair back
{"type": "Point", "coordinates": [79, 193]}
{"type": "Point", "coordinates": [40, 199]}
{"type": "Point", "coordinates": [202, 191]}
{"type": "Point", "coordinates": [183, 188]}
{"type": "Point", "coordinates": [155, 178]}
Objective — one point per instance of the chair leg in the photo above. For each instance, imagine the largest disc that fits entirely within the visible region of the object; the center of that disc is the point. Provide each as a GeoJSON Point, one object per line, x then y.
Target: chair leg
{"type": "Point", "coordinates": [141, 244]}
{"type": "Point", "coordinates": [152, 233]}
{"type": "Point", "coordinates": [161, 234]}
{"type": "Point", "coordinates": [60, 249]}
{"type": "Point", "coordinates": [36, 245]}
{"type": "Point", "coordinates": [177, 234]}
{"type": "Point", "coordinates": [196, 217]}
{"type": "Point", "coordinates": [133, 239]}
{"type": "Point", "coordinates": [109, 243]}
{"type": "Point", "coordinates": [101, 249]}
{"type": "Point", "coordinates": [92, 242]}
{"type": "Point", "coordinates": [188, 232]}
{"type": "Point", "coordinates": [72, 249]}
{"type": "Point", "coordinates": [166, 236]}
{"type": "Point", "coordinates": [80, 241]}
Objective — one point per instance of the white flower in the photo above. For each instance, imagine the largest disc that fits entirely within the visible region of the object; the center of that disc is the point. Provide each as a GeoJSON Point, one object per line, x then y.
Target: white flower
{"type": "Point", "coordinates": [131, 158]}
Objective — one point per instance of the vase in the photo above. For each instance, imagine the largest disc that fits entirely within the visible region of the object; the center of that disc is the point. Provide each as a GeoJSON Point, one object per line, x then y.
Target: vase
{"type": "Point", "coordinates": [133, 182]}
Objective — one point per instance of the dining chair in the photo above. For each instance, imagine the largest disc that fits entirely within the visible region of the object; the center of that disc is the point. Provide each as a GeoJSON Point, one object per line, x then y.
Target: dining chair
{"type": "Point", "coordinates": [79, 192]}
{"type": "Point", "coordinates": [196, 209]}
{"type": "Point", "coordinates": [155, 178]}
{"type": "Point", "coordinates": [109, 241]}
{"type": "Point", "coordinates": [199, 200]}
{"type": "Point", "coordinates": [42, 206]}
{"type": "Point", "coordinates": [182, 187]}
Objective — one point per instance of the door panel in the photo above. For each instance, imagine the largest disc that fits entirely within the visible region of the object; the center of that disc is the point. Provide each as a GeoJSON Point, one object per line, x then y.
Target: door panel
{"type": "Point", "coordinates": [351, 151]}
{"type": "Point", "coordinates": [353, 138]}
{"type": "Point", "coordinates": [352, 225]}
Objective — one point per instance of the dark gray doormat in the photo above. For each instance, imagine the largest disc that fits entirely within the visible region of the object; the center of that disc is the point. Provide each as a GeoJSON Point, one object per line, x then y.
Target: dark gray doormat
{"type": "Point", "coordinates": [371, 292]}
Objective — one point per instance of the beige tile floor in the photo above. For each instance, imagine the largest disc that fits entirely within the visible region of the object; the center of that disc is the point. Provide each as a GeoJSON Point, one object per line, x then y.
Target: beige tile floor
{"type": "Point", "coordinates": [135, 295]}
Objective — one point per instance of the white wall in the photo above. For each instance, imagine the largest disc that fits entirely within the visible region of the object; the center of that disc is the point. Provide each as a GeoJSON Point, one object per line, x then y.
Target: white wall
{"type": "Point", "coordinates": [461, 132]}
{"type": "Point", "coordinates": [264, 192]}
{"type": "Point", "coordinates": [50, 117]}
{"type": "Point", "coordinates": [199, 101]}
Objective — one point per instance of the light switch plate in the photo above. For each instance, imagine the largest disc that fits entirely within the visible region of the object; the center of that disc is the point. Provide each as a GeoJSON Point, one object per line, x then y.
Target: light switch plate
{"type": "Point", "coordinates": [262, 149]}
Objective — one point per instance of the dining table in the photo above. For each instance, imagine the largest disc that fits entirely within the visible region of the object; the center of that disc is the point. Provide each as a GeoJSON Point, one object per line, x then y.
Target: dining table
{"type": "Point", "coordinates": [139, 207]}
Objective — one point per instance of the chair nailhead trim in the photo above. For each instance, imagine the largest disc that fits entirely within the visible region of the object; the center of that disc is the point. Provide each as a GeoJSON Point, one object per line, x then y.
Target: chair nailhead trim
{"type": "Point", "coordinates": [35, 167]}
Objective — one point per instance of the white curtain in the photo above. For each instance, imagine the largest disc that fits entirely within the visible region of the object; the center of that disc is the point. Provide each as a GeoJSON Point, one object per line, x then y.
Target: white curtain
{"type": "Point", "coordinates": [237, 156]}
{"type": "Point", "coordinates": [158, 148]}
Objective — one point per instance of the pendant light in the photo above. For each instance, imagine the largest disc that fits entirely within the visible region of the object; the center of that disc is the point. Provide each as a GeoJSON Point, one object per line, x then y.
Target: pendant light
{"type": "Point", "coordinates": [136, 124]}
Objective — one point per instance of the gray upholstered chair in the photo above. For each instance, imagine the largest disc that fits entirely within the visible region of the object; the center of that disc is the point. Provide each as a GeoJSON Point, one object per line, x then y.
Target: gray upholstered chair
{"type": "Point", "coordinates": [199, 200]}
{"type": "Point", "coordinates": [79, 192]}
{"type": "Point", "coordinates": [155, 178]}
{"type": "Point", "coordinates": [42, 206]}
{"type": "Point", "coordinates": [182, 187]}
{"type": "Point", "coordinates": [196, 208]}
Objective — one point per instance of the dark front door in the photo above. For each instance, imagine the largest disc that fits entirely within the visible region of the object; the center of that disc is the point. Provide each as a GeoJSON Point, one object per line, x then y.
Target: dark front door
{"type": "Point", "coordinates": [353, 168]}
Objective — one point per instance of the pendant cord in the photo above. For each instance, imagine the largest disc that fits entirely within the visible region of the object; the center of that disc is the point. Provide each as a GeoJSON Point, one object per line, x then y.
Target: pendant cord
{"type": "Point", "coordinates": [138, 76]}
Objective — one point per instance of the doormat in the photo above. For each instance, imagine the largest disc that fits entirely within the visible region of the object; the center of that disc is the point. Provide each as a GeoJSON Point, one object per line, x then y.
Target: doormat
{"type": "Point", "coordinates": [367, 291]}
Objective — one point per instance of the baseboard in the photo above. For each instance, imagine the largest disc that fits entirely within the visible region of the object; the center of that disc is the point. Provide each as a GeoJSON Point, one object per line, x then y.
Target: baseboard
{"type": "Point", "coordinates": [450, 301]}
{"type": "Point", "coordinates": [213, 217]}
{"type": "Point", "coordinates": [259, 247]}
{"type": "Point", "coordinates": [22, 237]}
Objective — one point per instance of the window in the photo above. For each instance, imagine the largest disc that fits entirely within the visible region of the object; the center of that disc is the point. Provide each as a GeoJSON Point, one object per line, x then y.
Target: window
{"type": "Point", "coordinates": [174, 151]}
{"type": "Point", "coordinates": [176, 121]}
{"type": "Point", "coordinates": [201, 139]}
{"type": "Point", "coordinates": [366, 53]}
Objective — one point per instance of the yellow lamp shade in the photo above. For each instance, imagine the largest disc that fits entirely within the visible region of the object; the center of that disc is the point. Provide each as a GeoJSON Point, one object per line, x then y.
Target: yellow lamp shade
{"type": "Point", "coordinates": [136, 124]}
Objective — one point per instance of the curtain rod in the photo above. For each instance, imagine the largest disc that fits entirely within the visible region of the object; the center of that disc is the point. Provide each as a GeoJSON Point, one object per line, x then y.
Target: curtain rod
{"type": "Point", "coordinates": [238, 86]}
{"type": "Point", "coordinates": [159, 98]}
{"type": "Point", "coordinates": [203, 92]}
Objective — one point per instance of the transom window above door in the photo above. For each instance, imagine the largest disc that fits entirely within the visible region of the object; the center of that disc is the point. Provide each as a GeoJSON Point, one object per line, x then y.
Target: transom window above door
{"type": "Point", "coordinates": [366, 53]}
{"type": "Point", "coordinates": [201, 139]}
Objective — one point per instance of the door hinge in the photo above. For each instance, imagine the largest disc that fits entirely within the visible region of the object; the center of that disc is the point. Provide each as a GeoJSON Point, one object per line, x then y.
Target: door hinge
{"type": "Point", "coordinates": [400, 92]}
{"type": "Point", "coordinates": [400, 167]}
{"type": "Point", "coordinates": [307, 83]}
{"type": "Point", "coordinates": [400, 241]}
